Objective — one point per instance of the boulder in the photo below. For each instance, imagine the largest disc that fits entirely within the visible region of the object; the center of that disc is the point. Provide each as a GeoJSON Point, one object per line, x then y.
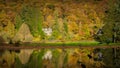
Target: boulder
{"type": "Point", "coordinates": [23, 34]}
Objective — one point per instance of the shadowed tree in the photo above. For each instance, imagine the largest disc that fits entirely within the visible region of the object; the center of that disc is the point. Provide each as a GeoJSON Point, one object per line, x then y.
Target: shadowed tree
{"type": "Point", "coordinates": [111, 29]}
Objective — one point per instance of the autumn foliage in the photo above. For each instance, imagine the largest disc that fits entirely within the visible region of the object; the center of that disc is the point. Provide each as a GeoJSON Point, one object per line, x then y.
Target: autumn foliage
{"type": "Point", "coordinates": [70, 20]}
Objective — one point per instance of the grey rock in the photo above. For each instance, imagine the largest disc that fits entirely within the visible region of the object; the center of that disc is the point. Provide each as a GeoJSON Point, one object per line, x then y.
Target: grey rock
{"type": "Point", "coordinates": [23, 34]}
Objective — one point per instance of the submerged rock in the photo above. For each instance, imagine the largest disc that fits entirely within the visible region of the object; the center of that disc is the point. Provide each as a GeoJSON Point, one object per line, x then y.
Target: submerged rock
{"type": "Point", "coordinates": [23, 34]}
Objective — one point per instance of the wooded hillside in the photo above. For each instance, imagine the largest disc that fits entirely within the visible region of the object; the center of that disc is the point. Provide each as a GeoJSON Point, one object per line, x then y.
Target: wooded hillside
{"type": "Point", "coordinates": [62, 20]}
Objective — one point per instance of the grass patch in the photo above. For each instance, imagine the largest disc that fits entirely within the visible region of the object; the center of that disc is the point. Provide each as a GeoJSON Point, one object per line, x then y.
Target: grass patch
{"type": "Point", "coordinates": [80, 43]}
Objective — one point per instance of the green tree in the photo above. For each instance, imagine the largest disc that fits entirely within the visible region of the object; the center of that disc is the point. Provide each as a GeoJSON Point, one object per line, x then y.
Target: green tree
{"type": "Point", "coordinates": [111, 29]}
{"type": "Point", "coordinates": [65, 25]}
{"type": "Point", "coordinates": [32, 16]}
{"type": "Point", "coordinates": [65, 32]}
{"type": "Point", "coordinates": [56, 30]}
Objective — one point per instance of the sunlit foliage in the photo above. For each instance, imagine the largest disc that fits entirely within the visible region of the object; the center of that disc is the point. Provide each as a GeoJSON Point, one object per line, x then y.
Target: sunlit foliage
{"type": "Point", "coordinates": [72, 20]}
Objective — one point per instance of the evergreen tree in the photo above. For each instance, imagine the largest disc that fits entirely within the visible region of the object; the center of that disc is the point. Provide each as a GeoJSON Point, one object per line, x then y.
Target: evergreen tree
{"type": "Point", "coordinates": [32, 16]}
{"type": "Point", "coordinates": [111, 29]}
{"type": "Point", "coordinates": [56, 30]}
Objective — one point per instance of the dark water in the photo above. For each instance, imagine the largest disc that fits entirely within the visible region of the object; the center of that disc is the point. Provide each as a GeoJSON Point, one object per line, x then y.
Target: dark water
{"type": "Point", "coordinates": [61, 58]}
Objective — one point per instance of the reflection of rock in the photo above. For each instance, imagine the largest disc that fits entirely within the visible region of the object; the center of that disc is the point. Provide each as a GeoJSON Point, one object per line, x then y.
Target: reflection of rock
{"type": "Point", "coordinates": [23, 34]}
{"type": "Point", "coordinates": [48, 55]}
{"type": "Point", "coordinates": [24, 55]}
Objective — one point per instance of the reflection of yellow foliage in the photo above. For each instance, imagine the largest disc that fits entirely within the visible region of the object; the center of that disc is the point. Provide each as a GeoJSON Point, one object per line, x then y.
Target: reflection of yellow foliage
{"type": "Point", "coordinates": [48, 64]}
{"type": "Point", "coordinates": [59, 50]}
{"type": "Point", "coordinates": [9, 58]}
{"type": "Point", "coordinates": [72, 59]}
{"type": "Point", "coordinates": [77, 50]}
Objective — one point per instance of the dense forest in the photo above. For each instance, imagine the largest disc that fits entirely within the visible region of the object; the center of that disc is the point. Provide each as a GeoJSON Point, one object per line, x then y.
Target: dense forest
{"type": "Point", "coordinates": [60, 20]}
{"type": "Point", "coordinates": [62, 23]}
